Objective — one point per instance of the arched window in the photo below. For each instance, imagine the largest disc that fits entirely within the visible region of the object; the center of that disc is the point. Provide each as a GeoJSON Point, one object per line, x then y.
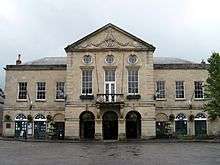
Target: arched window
{"type": "Point", "coordinates": [200, 116]}
{"type": "Point", "coordinates": [181, 116]}
{"type": "Point", "coordinates": [40, 117]}
{"type": "Point", "coordinates": [20, 117]}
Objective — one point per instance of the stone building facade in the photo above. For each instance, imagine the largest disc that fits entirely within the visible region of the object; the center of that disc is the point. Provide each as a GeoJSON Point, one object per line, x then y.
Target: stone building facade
{"type": "Point", "coordinates": [108, 87]}
{"type": "Point", "coordinates": [2, 96]}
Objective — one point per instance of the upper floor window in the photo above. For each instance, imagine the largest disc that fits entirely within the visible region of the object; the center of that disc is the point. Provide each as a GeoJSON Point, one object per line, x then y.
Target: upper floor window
{"type": "Point", "coordinates": [132, 59]}
{"type": "Point", "coordinates": [160, 91]}
{"type": "Point", "coordinates": [60, 90]}
{"type": "Point", "coordinates": [133, 81]}
{"type": "Point", "coordinates": [87, 59]}
{"type": "Point", "coordinates": [22, 90]}
{"type": "Point", "coordinates": [86, 81]}
{"type": "Point", "coordinates": [199, 89]}
{"type": "Point", "coordinates": [109, 75]}
{"type": "Point", "coordinates": [180, 89]}
{"type": "Point", "coordinates": [41, 90]}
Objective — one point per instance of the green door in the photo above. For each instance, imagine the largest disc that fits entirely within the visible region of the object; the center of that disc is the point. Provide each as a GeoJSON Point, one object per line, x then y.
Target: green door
{"type": "Point", "coordinates": [200, 128]}
{"type": "Point", "coordinates": [181, 127]}
{"type": "Point", "coordinates": [20, 129]}
{"type": "Point", "coordinates": [39, 129]}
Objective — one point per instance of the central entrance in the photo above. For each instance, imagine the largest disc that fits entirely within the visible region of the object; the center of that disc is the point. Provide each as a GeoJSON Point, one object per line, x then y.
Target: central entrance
{"type": "Point", "coordinates": [110, 126]}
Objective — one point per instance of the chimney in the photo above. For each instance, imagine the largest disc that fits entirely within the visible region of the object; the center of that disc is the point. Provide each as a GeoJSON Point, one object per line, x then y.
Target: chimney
{"type": "Point", "coordinates": [203, 62]}
{"type": "Point", "coordinates": [18, 61]}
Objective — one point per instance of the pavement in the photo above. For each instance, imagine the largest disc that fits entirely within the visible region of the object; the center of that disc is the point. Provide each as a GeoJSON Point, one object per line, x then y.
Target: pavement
{"type": "Point", "coordinates": [214, 140]}
{"type": "Point", "coordinates": [99, 153]}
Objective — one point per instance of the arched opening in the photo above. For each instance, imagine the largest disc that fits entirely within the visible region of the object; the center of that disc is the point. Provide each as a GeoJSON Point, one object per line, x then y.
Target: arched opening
{"type": "Point", "coordinates": [133, 125]}
{"type": "Point", "coordinates": [110, 125]}
{"type": "Point", "coordinates": [87, 125]}
{"type": "Point", "coordinates": [200, 125]}
{"type": "Point", "coordinates": [21, 126]}
{"type": "Point", "coordinates": [40, 126]}
{"type": "Point", "coordinates": [181, 124]}
{"type": "Point", "coordinates": [59, 126]}
{"type": "Point", "coordinates": [163, 127]}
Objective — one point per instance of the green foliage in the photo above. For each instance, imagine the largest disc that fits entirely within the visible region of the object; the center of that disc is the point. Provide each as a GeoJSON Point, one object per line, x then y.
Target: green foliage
{"type": "Point", "coordinates": [30, 118]}
{"type": "Point", "coordinates": [212, 87]}
{"type": "Point", "coordinates": [171, 117]}
{"type": "Point", "coordinates": [7, 118]}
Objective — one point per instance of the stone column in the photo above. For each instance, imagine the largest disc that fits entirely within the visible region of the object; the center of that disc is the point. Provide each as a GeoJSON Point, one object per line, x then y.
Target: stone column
{"type": "Point", "coordinates": [121, 129]}
{"type": "Point", "coordinates": [72, 129]}
{"type": "Point", "coordinates": [190, 128]}
{"type": "Point", "coordinates": [98, 129]}
{"type": "Point", "coordinates": [148, 129]}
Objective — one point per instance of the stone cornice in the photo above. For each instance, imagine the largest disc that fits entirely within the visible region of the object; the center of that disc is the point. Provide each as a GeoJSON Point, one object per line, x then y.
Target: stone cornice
{"type": "Point", "coordinates": [36, 67]}
{"type": "Point", "coordinates": [64, 66]}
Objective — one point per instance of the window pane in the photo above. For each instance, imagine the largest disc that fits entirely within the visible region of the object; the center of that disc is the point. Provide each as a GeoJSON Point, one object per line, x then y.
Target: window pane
{"type": "Point", "coordinates": [109, 75]}
{"type": "Point", "coordinates": [41, 90]}
{"type": "Point", "coordinates": [22, 90]}
{"type": "Point", "coordinates": [198, 89]}
{"type": "Point", "coordinates": [133, 81]}
{"type": "Point", "coordinates": [60, 90]}
{"type": "Point", "coordinates": [87, 82]}
{"type": "Point", "coordinates": [179, 89]}
{"type": "Point", "coordinates": [160, 89]}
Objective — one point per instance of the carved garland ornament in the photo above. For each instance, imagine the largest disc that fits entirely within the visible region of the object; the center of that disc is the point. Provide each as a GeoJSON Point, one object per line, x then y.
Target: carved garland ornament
{"type": "Point", "coordinates": [110, 42]}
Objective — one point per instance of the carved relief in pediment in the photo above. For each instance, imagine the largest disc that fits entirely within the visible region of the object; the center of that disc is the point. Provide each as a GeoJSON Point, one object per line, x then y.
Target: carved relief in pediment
{"type": "Point", "coordinates": [110, 39]}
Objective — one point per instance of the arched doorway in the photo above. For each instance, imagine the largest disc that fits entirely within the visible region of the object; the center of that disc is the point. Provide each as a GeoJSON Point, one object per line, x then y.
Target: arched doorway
{"type": "Point", "coordinates": [133, 125]}
{"type": "Point", "coordinates": [20, 126]}
{"type": "Point", "coordinates": [87, 125]}
{"type": "Point", "coordinates": [162, 125]}
{"type": "Point", "coordinates": [110, 125]}
{"type": "Point", "coordinates": [200, 125]}
{"type": "Point", "coordinates": [181, 124]}
{"type": "Point", "coordinates": [59, 126]}
{"type": "Point", "coordinates": [40, 126]}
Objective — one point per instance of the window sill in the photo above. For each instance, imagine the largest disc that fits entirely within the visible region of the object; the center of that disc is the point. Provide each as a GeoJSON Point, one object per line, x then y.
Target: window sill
{"type": "Point", "coordinates": [180, 99]}
{"type": "Point", "coordinates": [21, 100]}
{"type": "Point", "coordinates": [161, 99]}
{"type": "Point", "coordinates": [199, 99]}
{"type": "Point", "coordinates": [136, 96]}
{"type": "Point", "coordinates": [59, 100]}
{"type": "Point", "coordinates": [43, 100]}
{"type": "Point", "coordinates": [86, 97]}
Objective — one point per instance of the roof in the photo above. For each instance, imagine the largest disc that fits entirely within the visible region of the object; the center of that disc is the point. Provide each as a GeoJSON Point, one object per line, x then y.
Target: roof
{"type": "Point", "coordinates": [48, 61]}
{"type": "Point", "coordinates": [70, 47]}
{"type": "Point", "coordinates": [59, 63]}
{"type": "Point", "coordinates": [62, 61]}
{"type": "Point", "coordinates": [171, 60]}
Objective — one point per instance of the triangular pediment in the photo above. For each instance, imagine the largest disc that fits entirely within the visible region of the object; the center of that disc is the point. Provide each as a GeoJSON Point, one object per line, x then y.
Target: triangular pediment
{"type": "Point", "coordinates": [109, 36]}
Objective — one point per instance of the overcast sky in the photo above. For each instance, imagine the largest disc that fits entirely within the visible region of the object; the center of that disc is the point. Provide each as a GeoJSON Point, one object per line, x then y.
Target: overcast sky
{"type": "Point", "coordinates": [188, 29]}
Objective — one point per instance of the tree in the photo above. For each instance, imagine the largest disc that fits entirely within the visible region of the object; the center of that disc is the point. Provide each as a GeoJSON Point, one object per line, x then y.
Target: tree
{"type": "Point", "coordinates": [212, 87]}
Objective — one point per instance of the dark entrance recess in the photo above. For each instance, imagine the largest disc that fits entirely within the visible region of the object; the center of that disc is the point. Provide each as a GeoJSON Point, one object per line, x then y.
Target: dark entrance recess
{"type": "Point", "coordinates": [40, 126]}
{"type": "Point", "coordinates": [161, 129]}
{"type": "Point", "coordinates": [181, 127]}
{"type": "Point", "coordinates": [110, 126]}
{"type": "Point", "coordinates": [133, 125]}
{"type": "Point", "coordinates": [87, 125]}
{"type": "Point", "coordinates": [39, 129]}
{"type": "Point", "coordinates": [200, 128]}
{"type": "Point", "coordinates": [59, 128]}
{"type": "Point", "coordinates": [181, 124]}
{"type": "Point", "coordinates": [20, 128]}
